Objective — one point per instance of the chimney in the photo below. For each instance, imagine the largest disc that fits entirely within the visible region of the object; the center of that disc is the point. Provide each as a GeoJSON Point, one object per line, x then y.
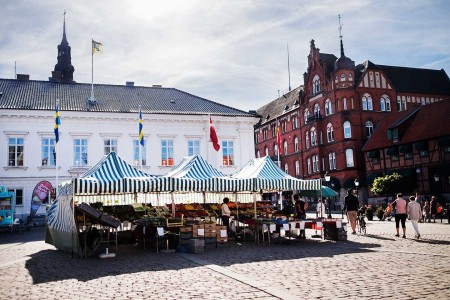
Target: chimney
{"type": "Point", "coordinates": [129, 83]}
{"type": "Point", "coordinates": [157, 86]}
{"type": "Point", "coordinates": [24, 77]}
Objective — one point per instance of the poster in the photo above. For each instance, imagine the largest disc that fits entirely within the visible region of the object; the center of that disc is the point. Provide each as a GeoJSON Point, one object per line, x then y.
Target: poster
{"type": "Point", "coordinates": [39, 196]}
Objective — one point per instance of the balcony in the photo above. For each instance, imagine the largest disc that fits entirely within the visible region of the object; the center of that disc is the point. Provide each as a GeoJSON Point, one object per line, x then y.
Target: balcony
{"type": "Point", "coordinates": [314, 118]}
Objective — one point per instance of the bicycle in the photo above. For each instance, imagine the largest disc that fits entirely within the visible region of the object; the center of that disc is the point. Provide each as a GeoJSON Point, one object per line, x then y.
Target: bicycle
{"type": "Point", "coordinates": [361, 223]}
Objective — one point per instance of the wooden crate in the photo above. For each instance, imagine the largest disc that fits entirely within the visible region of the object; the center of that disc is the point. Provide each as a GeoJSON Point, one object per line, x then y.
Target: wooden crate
{"type": "Point", "coordinates": [186, 229]}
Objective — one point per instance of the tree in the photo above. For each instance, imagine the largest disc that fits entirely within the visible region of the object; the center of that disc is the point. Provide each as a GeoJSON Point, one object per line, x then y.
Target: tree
{"type": "Point", "coordinates": [392, 184]}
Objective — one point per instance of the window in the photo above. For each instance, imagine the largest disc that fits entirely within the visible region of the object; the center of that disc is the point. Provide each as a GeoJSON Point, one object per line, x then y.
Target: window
{"type": "Point", "coordinates": [317, 111]}
{"type": "Point", "coordinates": [424, 153]}
{"type": "Point", "coordinates": [315, 163]}
{"type": "Point", "coordinates": [347, 130]}
{"type": "Point", "coordinates": [109, 145]}
{"type": "Point", "coordinates": [265, 134]}
{"type": "Point", "coordinates": [369, 128]}
{"type": "Point", "coordinates": [48, 154]}
{"type": "Point", "coordinates": [313, 137]}
{"type": "Point", "coordinates": [309, 165]}
{"type": "Point", "coordinates": [257, 137]}
{"type": "Point", "coordinates": [274, 130]}
{"type": "Point", "coordinates": [342, 77]}
{"type": "Point", "coordinates": [228, 153]}
{"type": "Point", "coordinates": [394, 157]}
{"type": "Point", "coordinates": [332, 160]}
{"type": "Point", "coordinates": [446, 149]}
{"type": "Point", "coordinates": [275, 149]}
{"type": "Point", "coordinates": [349, 158]}
{"type": "Point", "coordinates": [350, 77]}
{"type": "Point", "coordinates": [307, 140]}
{"type": "Point", "coordinates": [167, 153]}
{"type": "Point", "coordinates": [285, 148]}
{"type": "Point", "coordinates": [364, 103]}
{"type": "Point", "coordinates": [296, 144]}
{"type": "Point", "coordinates": [136, 156]}
{"type": "Point", "coordinates": [382, 104]}
{"type": "Point", "coordinates": [286, 168]}
{"type": "Point", "coordinates": [193, 147]}
{"type": "Point", "coordinates": [330, 133]}
{"type": "Point", "coordinates": [16, 149]}
{"type": "Point", "coordinates": [344, 101]}
{"type": "Point", "coordinates": [283, 126]}
{"type": "Point", "coordinates": [408, 155]}
{"type": "Point", "coordinates": [306, 115]}
{"type": "Point", "coordinates": [294, 122]}
{"type": "Point", "coordinates": [388, 104]}
{"type": "Point", "coordinates": [266, 151]}
{"type": "Point", "coordinates": [316, 84]}
{"type": "Point", "coordinates": [369, 103]}
{"type": "Point", "coordinates": [297, 168]}
{"type": "Point", "coordinates": [19, 196]}
{"type": "Point", "coordinates": [258, 154]}
{"type": "Point", "coordinates": [328, 108]}
{"type": "Point", "coordinates": [80, 152]}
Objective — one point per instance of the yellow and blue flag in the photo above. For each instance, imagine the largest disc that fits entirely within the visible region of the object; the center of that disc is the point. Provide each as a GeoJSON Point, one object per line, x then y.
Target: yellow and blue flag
{"type": "Point", "coordinates": [57, 123]}
{"type": "Point", "coordinates": [141, 129]}
{"type": "Point", "coordinates": [97, 47]}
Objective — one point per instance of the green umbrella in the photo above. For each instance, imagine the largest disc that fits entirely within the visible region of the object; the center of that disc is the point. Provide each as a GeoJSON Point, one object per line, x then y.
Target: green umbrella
{"type": "Point", "coordinates": [323, 192]}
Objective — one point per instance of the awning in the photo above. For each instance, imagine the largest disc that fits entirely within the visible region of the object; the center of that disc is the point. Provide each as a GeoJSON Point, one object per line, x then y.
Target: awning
{"type": "Point", "coordinates": [392, 151]}
{"type": "Point", "coordinates": [406, 148]}
{"type": "Point", "coordinates": [421, 145]}
{"type": "Point", "coordinates": [371, 177]}
{"type": "Point", "coordinates": [445, 141]}
{"type": "Point", "coordinates": [374, 154]}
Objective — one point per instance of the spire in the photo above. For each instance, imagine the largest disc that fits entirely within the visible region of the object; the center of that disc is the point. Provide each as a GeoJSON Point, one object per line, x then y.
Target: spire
{"type": "Point", "coordinates": [343, 62]}
{"type": "Point", "coordinates": [340, 36]}
{"type": "Point", "coordinates": [64, 39]}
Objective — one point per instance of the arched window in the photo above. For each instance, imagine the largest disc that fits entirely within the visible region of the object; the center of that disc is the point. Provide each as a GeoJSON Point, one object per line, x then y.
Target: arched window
{"type": "Point", "coordinates": [330, 133]}
{"type": "Point", "coordinates": [382, 104]}
{"type": "Point", "coordinates": [258, 154]}
{"type": "Point", "coordinates": [344, 101]}
{"type": "Point", "coordinates": [296, 144]}
{"type": "Point", "coordinates": [267, 151]}
{"type": "Point", "coordinates": [364, 103]}
{"type": "Point", "coordinates": [349, 158]}
{"type": "Point", "coordinates": [328, 107]}
{"type": "Point", "coordinates": [286, 168]}
{"type": "Point", "coordinates": [315, 163]}
{"type": "Point", "coordinates": [369, 103]}
{"type": "Point", "coordinates": [388, 104]}
{"type": "Point", "coordinates": [347, 130]}
{"type": "Point", "coordinates": [285, 148]}
{"type": "Point", "coordinates": [306, 115]}
{"type": "Point", "coordinates": [309, 165]}
{"type": "Point", "coordinates": [332, 160]}
{"type": "Point", "coordinates": [317, 110]}
{"type": "Point", "coordinates": [307, 140]}
{"type": "Point", "coordinates": [275, 149]}
{"type": "Point", "coordinates": [342, 77]}
{"type": "Point", "coordinates": [316, 84]}
{"type": "Point", "coordinates": [350, 77]}
{"type": "Point", "coordinates": [297, 168]}
{"type": "Point", "coordinates": [369, 128]}
{"type": "Point", "coordinates": [313, 137]}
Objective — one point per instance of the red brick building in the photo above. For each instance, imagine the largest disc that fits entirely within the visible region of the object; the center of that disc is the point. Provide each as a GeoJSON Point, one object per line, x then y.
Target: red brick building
{"type": "Point", "coordinates": [326, 121]}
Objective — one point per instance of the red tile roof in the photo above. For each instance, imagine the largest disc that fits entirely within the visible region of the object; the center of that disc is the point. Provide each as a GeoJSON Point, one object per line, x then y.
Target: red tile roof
{"type": "Point", "coordinates": [431, 121]}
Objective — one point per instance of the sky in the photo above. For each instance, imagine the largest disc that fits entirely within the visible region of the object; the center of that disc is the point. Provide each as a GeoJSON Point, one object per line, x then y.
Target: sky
{"type": "Point", "coordinates": [232, 52]}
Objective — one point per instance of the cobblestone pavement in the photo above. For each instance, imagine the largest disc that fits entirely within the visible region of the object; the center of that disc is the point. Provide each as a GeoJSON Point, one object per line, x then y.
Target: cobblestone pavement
{"type": "Point", "coordinates": [377, 265]}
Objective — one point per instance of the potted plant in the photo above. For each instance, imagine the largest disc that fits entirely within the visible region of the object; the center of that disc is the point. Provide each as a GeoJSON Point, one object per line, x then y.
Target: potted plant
{"type": "Point", "coordinates": [369, 213]}
{"type": "Point", "coordinates": [379, 212]}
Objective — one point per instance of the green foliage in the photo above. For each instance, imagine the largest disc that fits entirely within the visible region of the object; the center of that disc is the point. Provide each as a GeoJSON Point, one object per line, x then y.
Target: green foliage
{"type": "Point", "coordinates": [392, 184]}
{"type": "Point", "coordinates": [379, 212]}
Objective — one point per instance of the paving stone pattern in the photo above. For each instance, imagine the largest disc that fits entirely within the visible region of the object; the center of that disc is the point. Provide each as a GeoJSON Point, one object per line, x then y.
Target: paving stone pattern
{"type": "Point", "coordinates": [377, 265]}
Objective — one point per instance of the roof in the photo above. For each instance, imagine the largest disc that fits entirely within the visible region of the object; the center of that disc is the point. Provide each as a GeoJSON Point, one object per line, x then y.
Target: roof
{"type": "Point", "coordinates": [42, 95]}
{"type": "Point", "coordinates": [329, 60]}
{"type": "Point", "coordinates": [276, 107]}
{"type": "Point", "coordinates": [194, 167]}
{"type": "Point", "coordinates": [431, 121]}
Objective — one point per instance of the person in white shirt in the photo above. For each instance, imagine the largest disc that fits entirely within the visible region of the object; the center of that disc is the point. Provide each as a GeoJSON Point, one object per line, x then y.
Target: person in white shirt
{"type": "Point", "coordinates": [320, 209]}
{"type": "Point", "coordinates": [226, 213]}
{"type": "Point", "coordinates": [415, 214]}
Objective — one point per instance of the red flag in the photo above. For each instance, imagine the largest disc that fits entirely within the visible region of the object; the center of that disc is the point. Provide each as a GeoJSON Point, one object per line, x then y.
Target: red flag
{"type": "Point", "coordinates": [213, 136]}
{"type": "Point", "coordinates": [279, 140]}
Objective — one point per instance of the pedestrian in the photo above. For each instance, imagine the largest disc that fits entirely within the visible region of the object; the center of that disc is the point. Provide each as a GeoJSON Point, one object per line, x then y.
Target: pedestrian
{"type": "Point", "coordinates": [433, 208]}
{"type": "Point", "coordinates": [400, 214]}
{"type": "Point", "coordinates": [426, 212]}
{"type": "Point", "coordinates": [320, 209]}
{"type": "Point", "coordinates": [415, 214]}
{"type": "Point", "coordinates": [226, 214]}
{"type": "Point", "coordinates": [351, 206]}
{"type": "Point", "coordinates": [300, 209]}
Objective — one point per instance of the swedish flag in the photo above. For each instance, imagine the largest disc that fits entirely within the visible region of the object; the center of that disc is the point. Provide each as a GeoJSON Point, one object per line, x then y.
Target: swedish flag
{"type": "Point", "coordinates": [57, 123]}
{"type": "Point", "coordinates": [141, 129]}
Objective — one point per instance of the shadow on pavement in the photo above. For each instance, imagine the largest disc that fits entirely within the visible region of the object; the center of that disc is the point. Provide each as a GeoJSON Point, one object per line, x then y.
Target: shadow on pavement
{"type": "Point", "coordinates": [32, 234]}
{"type": "Point", "coordinates": [378, 237]}
{"type": "Point", "coordinates": [53, 265]}
{"type": "Point", "coordinates": [434, 242]}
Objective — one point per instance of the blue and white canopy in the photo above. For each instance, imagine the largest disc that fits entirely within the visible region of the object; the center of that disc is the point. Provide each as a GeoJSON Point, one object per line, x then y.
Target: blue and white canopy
{"type": "Point", "coordinates": [266, 175]}
{"type": "Point", "coordinates": [112, 175]}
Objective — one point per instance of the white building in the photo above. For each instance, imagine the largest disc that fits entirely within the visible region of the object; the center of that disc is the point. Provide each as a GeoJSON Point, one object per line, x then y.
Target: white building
{"type": "Point", "coordinates": [176, 124]}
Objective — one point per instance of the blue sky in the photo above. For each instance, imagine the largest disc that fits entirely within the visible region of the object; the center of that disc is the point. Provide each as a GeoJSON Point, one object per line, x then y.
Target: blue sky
{"type": "Point", "coordinates": [233, 52]}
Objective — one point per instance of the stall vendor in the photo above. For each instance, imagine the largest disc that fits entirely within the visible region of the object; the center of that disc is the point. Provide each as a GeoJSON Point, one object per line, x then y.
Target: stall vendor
{"type": "Point", "coordinates": [226, 213]}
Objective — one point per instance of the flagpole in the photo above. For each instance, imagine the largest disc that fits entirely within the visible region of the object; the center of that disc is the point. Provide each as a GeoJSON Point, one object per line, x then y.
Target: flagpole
{"type": "Point", "coordinates": [92, 69]}
{"type": "Point", "coordinates": [208, 137]}
{"type": "Point", "coordinates": [56, 148]}
{"type": "Point", "coordinates": [278, 144]}
{"type": "Point", "coordinates": [139, 140]}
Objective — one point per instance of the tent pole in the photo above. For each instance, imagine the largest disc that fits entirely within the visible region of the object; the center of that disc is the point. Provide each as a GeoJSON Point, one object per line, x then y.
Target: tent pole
{"type": "Point", "coordinates": [172, 198]}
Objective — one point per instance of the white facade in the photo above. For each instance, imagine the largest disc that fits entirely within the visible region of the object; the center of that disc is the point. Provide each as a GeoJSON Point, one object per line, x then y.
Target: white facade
{"type": "Point", "coordinates": [96, 127]}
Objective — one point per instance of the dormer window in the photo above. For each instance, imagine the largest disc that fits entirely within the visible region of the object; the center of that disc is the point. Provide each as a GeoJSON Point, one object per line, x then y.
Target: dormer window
{"type": "Point", "coordinates": [342, 77]}
{"type": "Point", "coordinates": [392, 134]}
{"type": "Point", "coordinates": [350, 78]}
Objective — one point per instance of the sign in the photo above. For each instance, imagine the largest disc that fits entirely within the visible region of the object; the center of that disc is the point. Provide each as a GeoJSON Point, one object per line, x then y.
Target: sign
{"type": "Point", "coordinates": [39, 196]}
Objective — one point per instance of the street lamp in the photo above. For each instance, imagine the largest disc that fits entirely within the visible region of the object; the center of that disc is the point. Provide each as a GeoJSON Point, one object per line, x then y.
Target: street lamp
{"type": "Point", "coordinates": [357, 185]}
{"type": "Point", "coordinates": [327, 179]}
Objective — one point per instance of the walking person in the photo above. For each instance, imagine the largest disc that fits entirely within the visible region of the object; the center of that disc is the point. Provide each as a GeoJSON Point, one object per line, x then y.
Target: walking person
{"type": "Point", "coordinates": [400, 214]}
{"type": "Point", "coordinates": [433, 208]}
{"type": "Point", "coordinates": [320, 210]}
{"type": "Point", "coordinates": [226, 214]}
{"type": "Point", "coordinates": [351, 206]}
{"type": "Point", "coordinates": [415, 214]}
{"type": "Point", "coordinates": [426, 212]}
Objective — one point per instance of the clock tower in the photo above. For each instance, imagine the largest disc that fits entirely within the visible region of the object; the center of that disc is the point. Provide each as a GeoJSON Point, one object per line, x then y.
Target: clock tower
{"type": "Point", "coordinates": [63, 69]}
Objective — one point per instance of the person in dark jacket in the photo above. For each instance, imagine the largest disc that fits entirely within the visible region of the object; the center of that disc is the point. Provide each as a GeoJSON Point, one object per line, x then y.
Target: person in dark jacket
{"type": "Point", "coordinates": [351, 206]}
